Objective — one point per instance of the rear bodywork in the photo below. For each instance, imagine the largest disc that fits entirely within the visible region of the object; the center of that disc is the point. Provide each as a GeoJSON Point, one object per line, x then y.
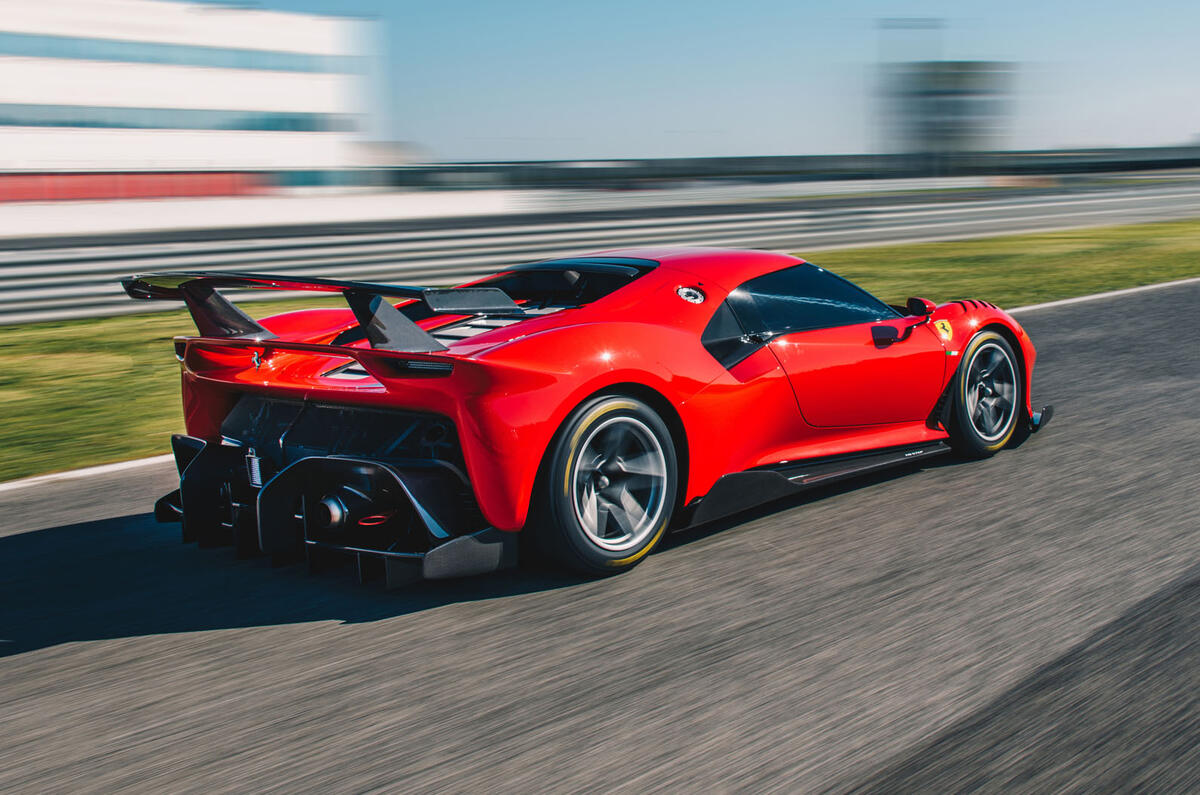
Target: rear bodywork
{"type": "Point", "coordinates": [411, 434]}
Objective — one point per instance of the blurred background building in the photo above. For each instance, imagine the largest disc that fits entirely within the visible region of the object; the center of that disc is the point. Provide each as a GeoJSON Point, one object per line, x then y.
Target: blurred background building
{"type": "Point", "coordinates": [153, 98]}
{"type": "Point", "coordinates": [136, 98]}
{"type": "Point", "coordinates": [936, 107]}
{"type": "Point", "coordinates": [947, 107]}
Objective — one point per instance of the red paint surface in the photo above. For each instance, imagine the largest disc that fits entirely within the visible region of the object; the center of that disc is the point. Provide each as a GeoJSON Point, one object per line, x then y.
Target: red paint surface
{"type": "Point", "coordinates": [841, 378]}
{"type": "Point", "coordinates": [807, 394]}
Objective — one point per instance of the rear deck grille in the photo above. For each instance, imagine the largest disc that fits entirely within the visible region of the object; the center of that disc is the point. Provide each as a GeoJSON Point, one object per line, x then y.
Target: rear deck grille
{"type": "Point", "coordinates": [465, 329]}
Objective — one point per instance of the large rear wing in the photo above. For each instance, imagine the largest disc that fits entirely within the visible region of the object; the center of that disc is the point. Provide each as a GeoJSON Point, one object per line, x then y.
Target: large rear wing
{"type": "Point", "coordinates": [385, 326]}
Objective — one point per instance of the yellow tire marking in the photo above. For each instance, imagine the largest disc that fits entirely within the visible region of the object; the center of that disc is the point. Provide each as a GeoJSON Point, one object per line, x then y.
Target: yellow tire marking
{"type": "Point", "coordinates": [596, 414]}
{"type": "Point", "coordinates": [636, 556]}
{"type": "Point", "coordinates": [967, 354]}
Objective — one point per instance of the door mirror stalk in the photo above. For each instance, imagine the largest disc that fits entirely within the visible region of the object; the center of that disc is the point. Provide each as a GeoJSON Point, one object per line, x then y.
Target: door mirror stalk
{"type": "Point", "coordinates": [885, 335]}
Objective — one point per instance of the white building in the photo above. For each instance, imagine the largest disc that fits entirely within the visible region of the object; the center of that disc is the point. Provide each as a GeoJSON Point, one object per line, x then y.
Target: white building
{"type": "Point", "coordinates": [119, 86]}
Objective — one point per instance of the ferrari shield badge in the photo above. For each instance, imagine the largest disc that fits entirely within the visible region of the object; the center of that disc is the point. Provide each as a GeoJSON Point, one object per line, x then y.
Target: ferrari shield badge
{"type": "Point", "coordinates": [945, 330]}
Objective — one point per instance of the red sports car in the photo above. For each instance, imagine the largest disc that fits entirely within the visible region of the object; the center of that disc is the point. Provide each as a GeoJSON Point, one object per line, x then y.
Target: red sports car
{"type": "Point", "coordinates": [590, 403]}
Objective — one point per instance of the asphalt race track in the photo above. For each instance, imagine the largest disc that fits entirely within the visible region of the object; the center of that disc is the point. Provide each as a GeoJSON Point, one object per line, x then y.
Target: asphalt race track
{"type": "Point", "coordinates": [1026, 623]}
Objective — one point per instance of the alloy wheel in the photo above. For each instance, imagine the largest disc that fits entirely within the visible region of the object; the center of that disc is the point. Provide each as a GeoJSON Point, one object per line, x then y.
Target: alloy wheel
{"type": "Point", "coordinates": [991, 391]}
{"type": "Point", "coordinates": [619, 484]}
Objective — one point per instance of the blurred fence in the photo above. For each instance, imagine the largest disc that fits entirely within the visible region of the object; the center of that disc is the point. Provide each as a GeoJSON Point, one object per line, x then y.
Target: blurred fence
{"type": "Point", "coordinates": [56, 283]}
{"type": "Point", "coordinates": [640, 173]}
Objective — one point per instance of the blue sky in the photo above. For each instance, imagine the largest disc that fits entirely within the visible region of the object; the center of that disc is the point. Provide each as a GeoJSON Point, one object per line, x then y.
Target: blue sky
{"type": "Point", "coordinates": [535, 79]}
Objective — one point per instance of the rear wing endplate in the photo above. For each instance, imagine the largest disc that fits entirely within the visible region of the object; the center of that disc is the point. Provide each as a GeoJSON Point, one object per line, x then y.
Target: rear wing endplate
{"type": "Point", "coordinates": [385, 326]}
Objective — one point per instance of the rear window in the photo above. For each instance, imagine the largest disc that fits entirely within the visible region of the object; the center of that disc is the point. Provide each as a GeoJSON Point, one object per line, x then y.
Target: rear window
{"type": "Point", "coordinates": [568, 282]}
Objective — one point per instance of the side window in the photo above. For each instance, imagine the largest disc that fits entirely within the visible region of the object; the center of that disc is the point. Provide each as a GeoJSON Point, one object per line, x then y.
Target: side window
{"type": "Point", "coordinates": [806, 297]}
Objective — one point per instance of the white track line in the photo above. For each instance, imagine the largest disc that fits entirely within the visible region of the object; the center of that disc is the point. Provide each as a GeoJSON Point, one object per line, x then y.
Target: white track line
{"type": "Point", "coordinates": [87, 472]}
{"type": "Point", "coordinates": [78, 474]}
{"type": "Point", "coordinates": [1099, 296]}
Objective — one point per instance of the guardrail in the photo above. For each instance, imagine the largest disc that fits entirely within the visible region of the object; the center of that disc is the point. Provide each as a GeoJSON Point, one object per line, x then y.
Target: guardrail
{"type": "Point", "coordinates": [65, 283]}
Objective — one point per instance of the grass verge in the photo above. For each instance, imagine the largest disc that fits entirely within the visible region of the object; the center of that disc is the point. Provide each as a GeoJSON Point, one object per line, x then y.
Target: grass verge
{"type": "Point", "coordinates": [87, 392]}
{"type": "Point", "coordinates": [1018, 270]}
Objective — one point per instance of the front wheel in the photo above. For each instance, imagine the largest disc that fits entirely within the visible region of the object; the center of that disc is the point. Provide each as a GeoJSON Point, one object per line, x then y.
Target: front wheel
{"type": "Point", "coordinates": [987, 397]}
{"type": "Point", "coordinates": [609, 487]}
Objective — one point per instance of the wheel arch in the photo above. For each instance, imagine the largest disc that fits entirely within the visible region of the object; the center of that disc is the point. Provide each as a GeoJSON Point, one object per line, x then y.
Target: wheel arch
{"type": "Point", "coordinates": [656, 401]}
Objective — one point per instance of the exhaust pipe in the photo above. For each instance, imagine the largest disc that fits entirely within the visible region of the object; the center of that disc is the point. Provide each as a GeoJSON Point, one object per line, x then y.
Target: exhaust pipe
{"type": "Point", "coordinates": [343, 507]}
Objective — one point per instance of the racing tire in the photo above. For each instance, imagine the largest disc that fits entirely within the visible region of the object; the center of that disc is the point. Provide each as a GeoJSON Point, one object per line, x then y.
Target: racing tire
{"type": "Point", "coordinates": [607, 489]}
{"type": "Point", "coordinates": [987, 396]}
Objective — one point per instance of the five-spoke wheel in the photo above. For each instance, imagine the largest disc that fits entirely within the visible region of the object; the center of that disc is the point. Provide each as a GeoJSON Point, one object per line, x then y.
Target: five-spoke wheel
{"type": "Point", "coordinates": [619, 484]}
{"type": "Point", "coordinates": [987, 396]}
{"type": "Point", "coordinates": [608, 487]}
{"type": "Point", "coordinates": [991, 390]}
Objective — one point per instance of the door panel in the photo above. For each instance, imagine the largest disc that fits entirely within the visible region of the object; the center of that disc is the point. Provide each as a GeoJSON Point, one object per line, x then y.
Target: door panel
{"type": "Point", "coordinates": [841, 378]}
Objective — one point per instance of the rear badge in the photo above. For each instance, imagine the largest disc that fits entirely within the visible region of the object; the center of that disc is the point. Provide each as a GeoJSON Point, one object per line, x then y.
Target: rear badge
{"type": "Point", "coordinates": [690, 294]}
{"type": "Point", "coordinates": [944, 329]}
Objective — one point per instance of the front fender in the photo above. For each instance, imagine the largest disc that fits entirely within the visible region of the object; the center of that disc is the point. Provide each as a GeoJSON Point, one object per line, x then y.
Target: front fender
{"type": "Point", "coordinates": [958, 321]}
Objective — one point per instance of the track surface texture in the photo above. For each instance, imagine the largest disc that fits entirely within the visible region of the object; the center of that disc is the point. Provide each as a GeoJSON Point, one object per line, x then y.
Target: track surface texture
{"type": "Point", "coordinates": [1026, 623]}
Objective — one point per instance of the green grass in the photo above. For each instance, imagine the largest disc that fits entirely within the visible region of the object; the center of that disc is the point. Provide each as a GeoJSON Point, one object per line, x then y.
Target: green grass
{"type": "Point", "coordinates": [1023, 269]}
{"type": "Point", "coordinates": [89, 392]}
{"type": "Point", "coordinates": [86, 392]}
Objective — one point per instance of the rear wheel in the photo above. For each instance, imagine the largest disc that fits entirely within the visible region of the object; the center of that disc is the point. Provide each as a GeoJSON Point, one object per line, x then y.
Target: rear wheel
{"type": "Point", "coordinates": [608, 490]}
{"type": "Point", "coordinates": [987, 396]}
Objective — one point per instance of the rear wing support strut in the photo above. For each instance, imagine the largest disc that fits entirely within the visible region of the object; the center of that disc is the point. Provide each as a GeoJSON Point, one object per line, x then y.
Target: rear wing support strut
{"type": "Point", "coordinates": [385, 326]}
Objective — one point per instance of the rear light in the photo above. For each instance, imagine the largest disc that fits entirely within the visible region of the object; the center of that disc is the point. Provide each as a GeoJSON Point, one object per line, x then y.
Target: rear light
{"type": "Point", "coordinates": [424, 366]}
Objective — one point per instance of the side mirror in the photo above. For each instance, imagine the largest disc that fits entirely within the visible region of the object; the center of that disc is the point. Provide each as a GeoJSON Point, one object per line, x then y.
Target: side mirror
{"type": "Point", "coordinates": [920, 307]}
